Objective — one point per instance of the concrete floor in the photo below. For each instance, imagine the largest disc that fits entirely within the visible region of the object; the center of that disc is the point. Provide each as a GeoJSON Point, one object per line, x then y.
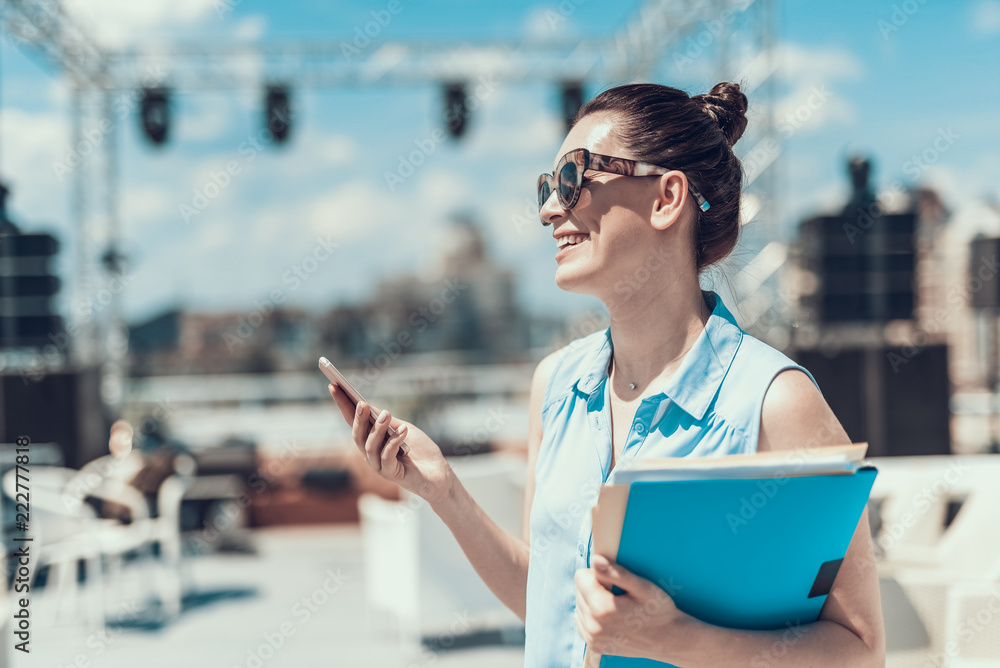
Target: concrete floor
{"type": "Point", "coordinates": [248, 613]}
{"type": "Point", "coordinates": [257, 619]}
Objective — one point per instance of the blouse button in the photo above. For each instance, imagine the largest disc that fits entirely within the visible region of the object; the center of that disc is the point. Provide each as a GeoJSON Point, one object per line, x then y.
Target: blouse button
{"type": "Point", "coordinates": [639, 428]}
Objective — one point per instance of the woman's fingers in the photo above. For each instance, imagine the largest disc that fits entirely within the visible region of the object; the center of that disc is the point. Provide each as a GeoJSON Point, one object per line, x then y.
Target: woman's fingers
{"type": "Point", "coordinates": [343, 403]}
{"type": "Point", "coordinates": [371, 439]}
{"type": "Point", "coordinates": [361, 426]}
{"type": "Point", "coordinates": [376, 440]}
{"type": "Point", "coordinates": [390, 465]}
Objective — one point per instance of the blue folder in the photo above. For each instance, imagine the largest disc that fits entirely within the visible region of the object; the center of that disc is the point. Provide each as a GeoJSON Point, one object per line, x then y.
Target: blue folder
{"type": "Point", "coordinates": [747, 553]}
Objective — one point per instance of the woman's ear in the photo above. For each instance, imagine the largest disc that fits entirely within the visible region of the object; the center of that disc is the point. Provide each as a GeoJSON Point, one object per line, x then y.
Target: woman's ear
{"type": "Point", "coordinates": [669, 200]}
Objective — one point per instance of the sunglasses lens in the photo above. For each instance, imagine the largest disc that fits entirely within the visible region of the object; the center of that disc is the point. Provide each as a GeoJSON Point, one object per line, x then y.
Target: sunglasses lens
{"type": "Point", "coordinates": [567, 182]}
{"type": "Point", "coordinates": [544, 191]}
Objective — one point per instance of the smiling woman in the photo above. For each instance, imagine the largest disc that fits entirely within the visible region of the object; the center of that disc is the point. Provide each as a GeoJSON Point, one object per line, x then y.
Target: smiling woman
{"type": "Point", "coordinates": [644, 195]}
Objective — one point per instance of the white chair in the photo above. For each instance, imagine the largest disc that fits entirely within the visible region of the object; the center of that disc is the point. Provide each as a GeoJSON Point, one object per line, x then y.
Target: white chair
{"type": "Point", "coordinates": [391, 573]}
{"type": "Point", "coordinates": [63, 533]}
{"type": "Point", "coordinates": [414, 568]}
{"type": "Point", "coordinates": [109, 477]}
{"type": "Point", "coordinates": [166, 531]}
{"type": "Point", "coordinates": [913, 514]}
{"type": "Point", "coordinates": [954, 575]}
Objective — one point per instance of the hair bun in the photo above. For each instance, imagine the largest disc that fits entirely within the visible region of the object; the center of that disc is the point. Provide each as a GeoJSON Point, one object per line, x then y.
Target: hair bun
{"type": "Point", "coordinates": [727, 105]}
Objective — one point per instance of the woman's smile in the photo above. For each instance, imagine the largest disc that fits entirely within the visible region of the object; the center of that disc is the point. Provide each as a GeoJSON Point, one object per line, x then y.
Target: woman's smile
{"type": "Point", "coordinates": [566, 243]}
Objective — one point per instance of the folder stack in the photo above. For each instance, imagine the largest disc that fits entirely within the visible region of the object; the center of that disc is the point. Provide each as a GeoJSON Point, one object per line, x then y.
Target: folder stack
{"type": "Point", "coordinates": [742, 541]}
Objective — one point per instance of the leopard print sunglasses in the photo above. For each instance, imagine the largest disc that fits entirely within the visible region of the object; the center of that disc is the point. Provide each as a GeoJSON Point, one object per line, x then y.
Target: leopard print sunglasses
{"type": "Point", "coordinates": [568, 178]}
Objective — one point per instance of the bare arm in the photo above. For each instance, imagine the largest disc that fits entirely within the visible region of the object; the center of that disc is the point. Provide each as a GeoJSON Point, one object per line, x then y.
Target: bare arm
{"type": "Point", "coordinates": [499, 558]}
{"type": "Point", "coordinates": [849, 631]}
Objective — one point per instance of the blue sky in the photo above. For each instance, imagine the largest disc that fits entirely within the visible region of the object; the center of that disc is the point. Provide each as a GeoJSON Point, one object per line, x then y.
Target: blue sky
{"type": "Point", "coordinates": [895, 76]}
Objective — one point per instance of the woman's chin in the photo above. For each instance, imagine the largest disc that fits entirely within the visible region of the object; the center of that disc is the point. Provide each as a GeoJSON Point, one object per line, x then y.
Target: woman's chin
{"type": "Point", "coordinates": [571, 279]}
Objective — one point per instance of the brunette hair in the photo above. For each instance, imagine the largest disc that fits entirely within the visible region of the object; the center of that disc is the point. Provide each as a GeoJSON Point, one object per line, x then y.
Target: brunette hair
{"type": "Point", "coordinates": [694, 134]}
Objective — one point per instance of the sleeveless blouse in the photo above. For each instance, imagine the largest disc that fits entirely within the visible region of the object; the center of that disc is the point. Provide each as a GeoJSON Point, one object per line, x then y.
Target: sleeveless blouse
{"type": "Point", "coordinates": [710, 407]}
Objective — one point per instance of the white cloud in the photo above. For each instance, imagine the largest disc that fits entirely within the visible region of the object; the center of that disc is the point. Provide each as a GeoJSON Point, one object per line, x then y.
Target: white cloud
{"type": "Point", "coordinates": [811, 100]}
{"type": "Point", "coordinates": [337, 150]}
{"type": "Point", "coordinates": [548, 22]}
{"type": "Point", "coordinates": [117, 23]}
{"type": "Point", "coordinates": [251, 28]}
{"type": "Point", "coordinates": [959, 182]}
{"type": "Point", "coordinates": [204, 116]}
{"type": "Point", "coordinates": [986, 17]}
{"type": "Point", "coordinates": [817, 64]}
{"type": "Point", "coordinates": [141, 204]}
{"type": "Point", "coordinates": [353, 209]}
{"type": "Point", "coordinates": [33, 143]}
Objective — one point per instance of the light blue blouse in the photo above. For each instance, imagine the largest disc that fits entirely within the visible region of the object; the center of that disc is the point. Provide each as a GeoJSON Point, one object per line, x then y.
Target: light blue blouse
{"type": "Point", "coordinates": [709, 407]}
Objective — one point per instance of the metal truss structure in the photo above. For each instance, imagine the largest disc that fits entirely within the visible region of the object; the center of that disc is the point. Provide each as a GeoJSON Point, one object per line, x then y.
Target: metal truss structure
{"type": "Point", "coordinates": [635, 52]}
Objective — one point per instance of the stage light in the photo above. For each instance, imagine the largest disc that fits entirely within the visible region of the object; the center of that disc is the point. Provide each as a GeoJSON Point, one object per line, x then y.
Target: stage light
{"type": "Point", "coordinates": [278, 112]}
{"type": "Point", "coordinates": [456, 110]}
{"type": "Point", "coordinates": [154, 110]}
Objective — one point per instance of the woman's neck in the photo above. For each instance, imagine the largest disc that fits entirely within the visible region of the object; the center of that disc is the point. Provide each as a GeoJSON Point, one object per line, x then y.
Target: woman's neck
{"type": "Point", "coordinates": [653, 330]}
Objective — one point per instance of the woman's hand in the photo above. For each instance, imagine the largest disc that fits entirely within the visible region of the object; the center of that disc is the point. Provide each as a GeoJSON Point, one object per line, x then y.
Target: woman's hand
{"type": "Point", "coordinates": [423, 470]}
{"type": "Point", "coordinates": [642, 622]}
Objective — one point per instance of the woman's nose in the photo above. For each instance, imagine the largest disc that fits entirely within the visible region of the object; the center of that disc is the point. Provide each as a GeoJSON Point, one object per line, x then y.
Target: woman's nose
{"type": "Point", "coordinates": [551, 210]}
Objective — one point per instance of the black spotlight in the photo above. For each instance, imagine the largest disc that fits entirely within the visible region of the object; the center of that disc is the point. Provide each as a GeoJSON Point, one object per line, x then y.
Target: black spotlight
{"type": "Point", "coordinates": [155, 112]}
{"type": "Point", "coordinates": [456, 110]}
{"type": "Point", "coordinates": [572, 100]}
{"type": "Point", "coordinates": [278, 112]}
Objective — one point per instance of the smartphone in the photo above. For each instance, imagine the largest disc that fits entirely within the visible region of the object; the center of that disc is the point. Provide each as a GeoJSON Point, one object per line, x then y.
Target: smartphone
{"type": "Point", "coordinates": [331, 372]}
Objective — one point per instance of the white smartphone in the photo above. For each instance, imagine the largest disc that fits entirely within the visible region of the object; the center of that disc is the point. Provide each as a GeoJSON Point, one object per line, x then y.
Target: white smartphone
{"type": "Point", "coordinates": [331, 372]}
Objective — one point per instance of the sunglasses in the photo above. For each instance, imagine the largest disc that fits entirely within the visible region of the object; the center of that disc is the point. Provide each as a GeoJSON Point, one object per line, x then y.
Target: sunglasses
{"type": "Point", "coordinates": [568, 178]}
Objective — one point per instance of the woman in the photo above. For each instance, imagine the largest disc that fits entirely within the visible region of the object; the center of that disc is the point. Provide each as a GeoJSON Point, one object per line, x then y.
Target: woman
{"type": "Point", "coordinates": [649, 204]}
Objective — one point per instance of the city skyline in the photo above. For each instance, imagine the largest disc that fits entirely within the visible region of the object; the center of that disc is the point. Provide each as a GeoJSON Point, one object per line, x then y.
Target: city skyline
{"type": "Point", "coordinates": [332, 184]}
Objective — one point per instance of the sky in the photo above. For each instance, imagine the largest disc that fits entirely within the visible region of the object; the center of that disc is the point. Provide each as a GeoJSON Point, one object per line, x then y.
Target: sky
{"type": "Point", "coordinates": [915, 85]}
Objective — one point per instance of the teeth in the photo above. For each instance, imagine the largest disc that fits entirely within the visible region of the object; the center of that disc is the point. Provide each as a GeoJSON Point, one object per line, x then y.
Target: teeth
{"type": "Point", "coordinates": [571, 239]}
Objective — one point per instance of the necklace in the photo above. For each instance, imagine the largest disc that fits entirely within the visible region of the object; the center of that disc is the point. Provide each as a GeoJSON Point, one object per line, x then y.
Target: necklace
{"type": "Point", "coordinates": [631, 385]}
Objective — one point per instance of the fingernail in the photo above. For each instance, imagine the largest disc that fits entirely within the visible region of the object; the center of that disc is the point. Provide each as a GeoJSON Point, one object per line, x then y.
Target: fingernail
{"type": "Point", "coordinates": [382, 415]}
{"type": "Point", "coordinates": [600, 563]}
{"type": "Point", "coordinates": [359, 409]}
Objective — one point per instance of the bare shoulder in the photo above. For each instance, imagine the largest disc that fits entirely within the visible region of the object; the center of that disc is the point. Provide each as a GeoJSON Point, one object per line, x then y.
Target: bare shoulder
{"type": "Point", "coordinates": [795, 415]}
{"type": "Point", "coordinates": [539, 381]}
{"type": "Point", "coordinates": [543, 371]}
